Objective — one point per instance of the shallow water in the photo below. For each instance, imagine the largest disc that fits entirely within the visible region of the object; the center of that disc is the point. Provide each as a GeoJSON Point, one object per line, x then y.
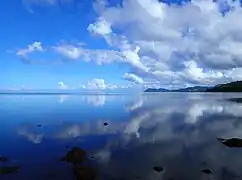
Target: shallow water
{"type": "Point", "coordinates": [175, 131]}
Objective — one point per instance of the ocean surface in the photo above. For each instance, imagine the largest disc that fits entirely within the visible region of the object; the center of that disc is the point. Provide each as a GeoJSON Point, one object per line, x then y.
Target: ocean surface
{"type": "Point", "coordinates": [165, 136]}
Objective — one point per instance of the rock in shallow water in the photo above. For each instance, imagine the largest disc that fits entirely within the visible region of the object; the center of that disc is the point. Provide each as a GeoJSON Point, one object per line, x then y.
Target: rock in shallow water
{"type": "Point", "coordinates": [84, 173]}
{"type": "Point", "coordinates": [76, 155]}
{"type": "Point", "coordinates": [158, 168]}
{"type": "Point", "coordinates": [232, 142]}
{"type": "Point", "coordinates": [3, 159]}
{"type": "Point", "coordinates": [8, 169]}
{"type": "Point", "coordinates": [207, 171]}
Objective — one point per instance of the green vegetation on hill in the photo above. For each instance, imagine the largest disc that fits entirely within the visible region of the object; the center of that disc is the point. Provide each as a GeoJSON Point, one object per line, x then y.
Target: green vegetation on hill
{"type": "Point", "coordinates": [228, 87]}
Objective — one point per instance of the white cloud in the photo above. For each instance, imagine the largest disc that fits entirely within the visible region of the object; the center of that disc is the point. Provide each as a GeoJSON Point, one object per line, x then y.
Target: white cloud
{"type": "Point", "coordinates": [62, 85]}
{"type": "Point", "coordinates": [203, 46]}
{"type": "Point", "coordinates": [133, 78]}
{"type": "Point", "coordinates": [102, 27]}
{"type": "Point", "coordinates": [98, 84]}
{"type": "Point", "coordinates": [34, 47]}
{"type": "Point", "coordinates": [74, 52]}
{"type": "Point", "coordinates": [167, 42]}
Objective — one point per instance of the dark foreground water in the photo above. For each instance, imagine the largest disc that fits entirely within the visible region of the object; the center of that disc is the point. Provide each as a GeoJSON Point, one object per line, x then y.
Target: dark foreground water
{"type": "Point", "coordinates": [167, 136]}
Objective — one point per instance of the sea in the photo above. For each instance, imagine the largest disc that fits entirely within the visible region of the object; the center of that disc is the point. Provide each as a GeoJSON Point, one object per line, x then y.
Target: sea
{"type": "Point", "coordinates": [149, 136]}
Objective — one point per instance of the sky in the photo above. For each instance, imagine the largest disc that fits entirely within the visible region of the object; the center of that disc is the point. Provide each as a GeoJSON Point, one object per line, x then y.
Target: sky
{"type": "Point", "coordinates": [119, 44]}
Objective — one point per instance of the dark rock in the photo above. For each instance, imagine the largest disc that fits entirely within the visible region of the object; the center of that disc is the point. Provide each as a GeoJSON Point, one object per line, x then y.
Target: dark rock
{"type": "Point", "coordinates": [76, 155]}
{"type": "Point", "coordinates": [207, 171]}
{"type": "Point", "coordinates": [84, 173]}
{"type": "Point", "coordinates": [105, 123]}
{"type": "Point", "coordinates": [3, 159]}
{"type": "Point", "coordinates": [158, 168]}
{"type": "Point", "coordinates": [233, 142]}
{"type": "Point", "coordinates": [9, 169]}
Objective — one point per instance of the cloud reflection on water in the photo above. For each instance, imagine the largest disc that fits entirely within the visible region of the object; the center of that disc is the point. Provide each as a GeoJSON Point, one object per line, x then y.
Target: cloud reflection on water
{"type": "Point", "coordinates": [176, 133]}
{"type": "Point", "coordinates": [26, 131]}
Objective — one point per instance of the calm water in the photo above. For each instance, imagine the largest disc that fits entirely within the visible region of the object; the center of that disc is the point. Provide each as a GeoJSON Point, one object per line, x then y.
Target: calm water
{"type": "Point", "coordinates": [177, 131]}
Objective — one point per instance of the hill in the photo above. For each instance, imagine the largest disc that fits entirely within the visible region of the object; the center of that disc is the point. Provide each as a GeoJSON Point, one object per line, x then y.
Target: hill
{"type": "Point", "coordinates": [235, 86]}
{"type": "Point", "coordinates": [188, 89]}
{"type": "Point", "coordinates": [192, 89]}
{"type": "Point", "coordinates": [156, 90]}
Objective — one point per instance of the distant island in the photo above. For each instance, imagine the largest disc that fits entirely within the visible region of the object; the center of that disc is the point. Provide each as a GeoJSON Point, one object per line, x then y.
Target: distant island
{"type": "Point", "coordinates": [235, 86]}
{"type": "Point", "coordinates": [188, 89]}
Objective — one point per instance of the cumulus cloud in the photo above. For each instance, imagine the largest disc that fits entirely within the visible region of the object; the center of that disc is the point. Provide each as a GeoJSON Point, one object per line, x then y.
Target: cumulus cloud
{"type": "Point", "coordinates": [62, 85]}
{"type": "Point", "coordinates": [200, 47]}
{"type": "Point", "coordinates": [102, 27]}
{"type": "Point", "coordinates": [101, 57]}
{"type": "Point", "coordinates": [34, 47]}
{"type": "Point", "coordinates": [25, 55]}
{"type": "Point", "coordinates": [75, 52]}
{"type": "Point", "coordinates": [133, 78]}
{"type": "Point", "coordinates": [98, 84]}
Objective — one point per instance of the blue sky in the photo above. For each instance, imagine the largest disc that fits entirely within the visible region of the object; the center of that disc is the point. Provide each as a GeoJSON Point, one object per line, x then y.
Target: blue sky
{"type": "Point", "coordinates": [71, 44]}
{"type": "Point", "coordinates": [49, 25]}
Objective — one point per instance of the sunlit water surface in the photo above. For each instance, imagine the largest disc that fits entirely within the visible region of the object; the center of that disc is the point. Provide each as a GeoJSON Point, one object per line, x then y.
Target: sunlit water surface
{"type": "Point", "coordinates": [175, 131]}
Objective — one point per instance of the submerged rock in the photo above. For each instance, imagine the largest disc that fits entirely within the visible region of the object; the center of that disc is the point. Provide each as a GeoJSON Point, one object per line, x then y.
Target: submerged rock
{"type": "Point", "coordinates": [233, 142]}
{"type": "Point", "coordinates": [207, 171]}
{"type": "Point", "coordinates": [9, 169]}
{"type": "Point", "coordinates": [84, 173]}
{"type": "Point", "coordinates": [158, 168]}
{"type": "Point", "coordinates": [3, 159]}
{"type": "Point", "coordinates": [76, 155]}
